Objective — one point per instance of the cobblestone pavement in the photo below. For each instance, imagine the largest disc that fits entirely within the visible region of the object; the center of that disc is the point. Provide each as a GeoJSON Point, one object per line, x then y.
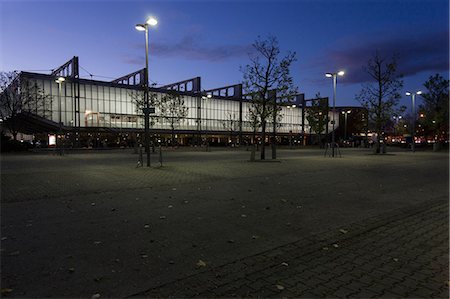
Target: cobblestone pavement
{"type": "Point", "coordinates": [92, 223]}
{"type": "Point", "coordinates": [400, 254]}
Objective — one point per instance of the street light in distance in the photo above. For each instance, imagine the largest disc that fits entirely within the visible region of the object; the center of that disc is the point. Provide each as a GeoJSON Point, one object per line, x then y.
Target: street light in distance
{"type": "Point", "coordinates": [144, 27]}
{"type": "Point", "coordinates": [413, 95]}
{"type": "Point", "coordinates": [334, 76]}
{"type": "Point", "coordinates": [60, 80]}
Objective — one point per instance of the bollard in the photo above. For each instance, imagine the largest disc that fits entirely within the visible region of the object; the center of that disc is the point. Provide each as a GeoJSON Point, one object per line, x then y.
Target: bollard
{"type": "Point", "coordinates": [252, 154]}
{"type": "Point", "coordinates": [141, 157]}
{"type": "Point", "coordinates": [160, 156]}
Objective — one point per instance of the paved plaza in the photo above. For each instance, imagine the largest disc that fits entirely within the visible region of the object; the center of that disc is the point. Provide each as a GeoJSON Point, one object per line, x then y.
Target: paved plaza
{"type": "Point", "coordinates": [213, 224]}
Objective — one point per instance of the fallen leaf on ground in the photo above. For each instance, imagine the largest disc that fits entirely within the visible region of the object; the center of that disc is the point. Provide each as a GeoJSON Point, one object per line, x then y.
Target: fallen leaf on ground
{"type": "Point", "coordinates": [283, 200]}
{"type": "Point", "coordinates": [280, 287]}
{"type": "Point", "coordinates": [343, 231]}
{"type": "Point", "coordinates": [170, 206]}
{"type": "Point", "coordinates": [147, 226]}
{"type": "Point", "coordinates": [230, 241]}
{"type": "Point", "coordinates": [71, 269]}
{"type": "Point", "coordinates": [325, 248]}
{"type": "Point", "coordinates": [201, 263]}
{"type": "Point", "coordinates": [6, 291]}
{"type": "Point", "coordinates": [98, 242]}
{"type": "Point", "coordinates": [243, 216]}
{"type": "Point", "coordinates": [255, 237]}
{"type": "Point", "coordinates": [4, 238]}
{"type": "Point", "coordinates": [395, 259]}
{"type": "Point", "coordinates": [335, 245]}
{"type": "Point", "coordinates": [299, 207]}
{"type": "Point", "coordinates": [95, 296]}
{"type": "Point", "coordinates": [93, 204]}
{"type": "Point", "coordinates": [284, 264]}
{"type": "Point", "coordinates": [174, 189]}
{"type": "Point", "coordinates": [162, 217]}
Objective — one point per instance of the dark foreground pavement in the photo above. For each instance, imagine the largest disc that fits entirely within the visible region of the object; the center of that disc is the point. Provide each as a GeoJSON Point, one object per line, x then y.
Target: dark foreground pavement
{"type": "Point", "coordinates": [214, 225]}
{"type": "Point", "coordinates": [400, 255]}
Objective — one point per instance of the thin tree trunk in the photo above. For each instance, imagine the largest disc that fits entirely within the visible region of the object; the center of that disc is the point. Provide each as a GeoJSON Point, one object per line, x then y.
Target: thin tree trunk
{"type": "Point", "coordinates": [263, 136]}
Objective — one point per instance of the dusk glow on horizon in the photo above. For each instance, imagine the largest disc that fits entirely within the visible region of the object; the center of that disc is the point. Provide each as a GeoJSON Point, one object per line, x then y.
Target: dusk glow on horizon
{"type": "Point", "coordinates": [213, 39]}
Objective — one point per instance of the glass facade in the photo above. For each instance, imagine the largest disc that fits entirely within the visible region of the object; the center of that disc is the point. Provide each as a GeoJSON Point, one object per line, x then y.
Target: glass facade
{"type": "Point", "coordinates": [98, 104]}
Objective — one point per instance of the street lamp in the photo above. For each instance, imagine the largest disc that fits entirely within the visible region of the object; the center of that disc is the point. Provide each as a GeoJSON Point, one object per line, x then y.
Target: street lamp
{"type": "Point", "coordinates": [413, 95]}
{"type": "Point", "coordinates": [144, 27]}
{"type": "Point", "coordinates": [292, 120]}
{"type": "Point", "coordinates": [60, 80]}
{"type": "Point", "coordinates": [205, 98]}
{"type": "Point", "coordinates": [334, 76]}
{"type": "Point", "coordinates": [345, 127]}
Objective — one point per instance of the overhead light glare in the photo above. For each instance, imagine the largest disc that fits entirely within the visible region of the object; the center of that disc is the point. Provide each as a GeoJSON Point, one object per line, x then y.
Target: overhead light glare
{"type": "Point", "coordinates": [152, 21]}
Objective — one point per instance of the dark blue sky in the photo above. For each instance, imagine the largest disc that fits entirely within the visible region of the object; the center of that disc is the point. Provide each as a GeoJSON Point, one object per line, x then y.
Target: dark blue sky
{"type": "Point", "coordinates": [212, 39]}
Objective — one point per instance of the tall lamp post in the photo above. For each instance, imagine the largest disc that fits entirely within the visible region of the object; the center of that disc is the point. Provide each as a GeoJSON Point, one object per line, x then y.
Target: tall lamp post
{"type": "Point", "coordinates": [60, 80]}
{"type": "Point", "coordinates": [205, 98]}
{"type": "Point", "coordinates": [144, 27]}
{"type": "Point", "coordinates": [346, 113]}
{"type": "Point", "coordinates": [413, 128]}
{"type": "Point", "coordinates": [334, 76]}
{"type": "Point", "coordinates": [292, 122]}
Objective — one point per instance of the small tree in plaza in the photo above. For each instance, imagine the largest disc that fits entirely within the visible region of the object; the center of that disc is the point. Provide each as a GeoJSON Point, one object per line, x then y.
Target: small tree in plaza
{"type": "Point", "coordinates": [253, 120]}
{"type": "Point", "coordinates": [172, 110]}
{"type": "Point", "coordinates": [18, 95]}
{"type": "Point", "coordinates": [231, 124]}
{"type": "Point", "coordinates": [138, 98]}
{"type": "Point", "coordinates": [435, 108]}
{"type": "Point", "coordinates": [267, 77]}
{"type": "Point", "coordinates": [381, 97]}
{"type": "Point", "coordinates": [317, 115]}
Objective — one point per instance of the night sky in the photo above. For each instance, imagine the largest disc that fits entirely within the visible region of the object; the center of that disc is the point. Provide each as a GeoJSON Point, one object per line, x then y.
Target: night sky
{"type": "Point", "coordinates": [212, 39]}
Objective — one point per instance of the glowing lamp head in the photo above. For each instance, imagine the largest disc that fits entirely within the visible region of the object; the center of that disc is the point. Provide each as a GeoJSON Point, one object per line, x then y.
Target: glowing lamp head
{"type": "Point", "coordinates": [152, 21]}
{"type": "Point", "coordinates": [419, 92]}
{"type": "Point", "coordinates": [408, 93]}
{"type": "Point", "coordinates": [341, 73]}
{"type": "Point", "coordinates": [328, 75]}
{"type": "Point", "coordinates": [60, 80]}
{"type": "Point", "coordinates": [140, 27]}
{"type": "Point", "coordinates": [293, 106]}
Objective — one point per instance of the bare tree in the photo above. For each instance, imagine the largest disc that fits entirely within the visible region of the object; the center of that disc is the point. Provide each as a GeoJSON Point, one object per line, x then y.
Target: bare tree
{"type": "Point", "coordinates": [253, 120]}
{"type": "Point", "coordinates": [19, 95]}
{"type": "Point", "coordinates": [267, 77]}
{"type": "Point", "coordinates": [435, 107]}
{"type": "Point", "coordinates": [317, 115]}
{"type": "Point", "coordinates": [138, 98]}
{"type": "Point", "coordinates": [172, 110]}
{"type": "Point", "coordinates": [231, 124]}
{"type": "Point", "coordinates": [381, 97]}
